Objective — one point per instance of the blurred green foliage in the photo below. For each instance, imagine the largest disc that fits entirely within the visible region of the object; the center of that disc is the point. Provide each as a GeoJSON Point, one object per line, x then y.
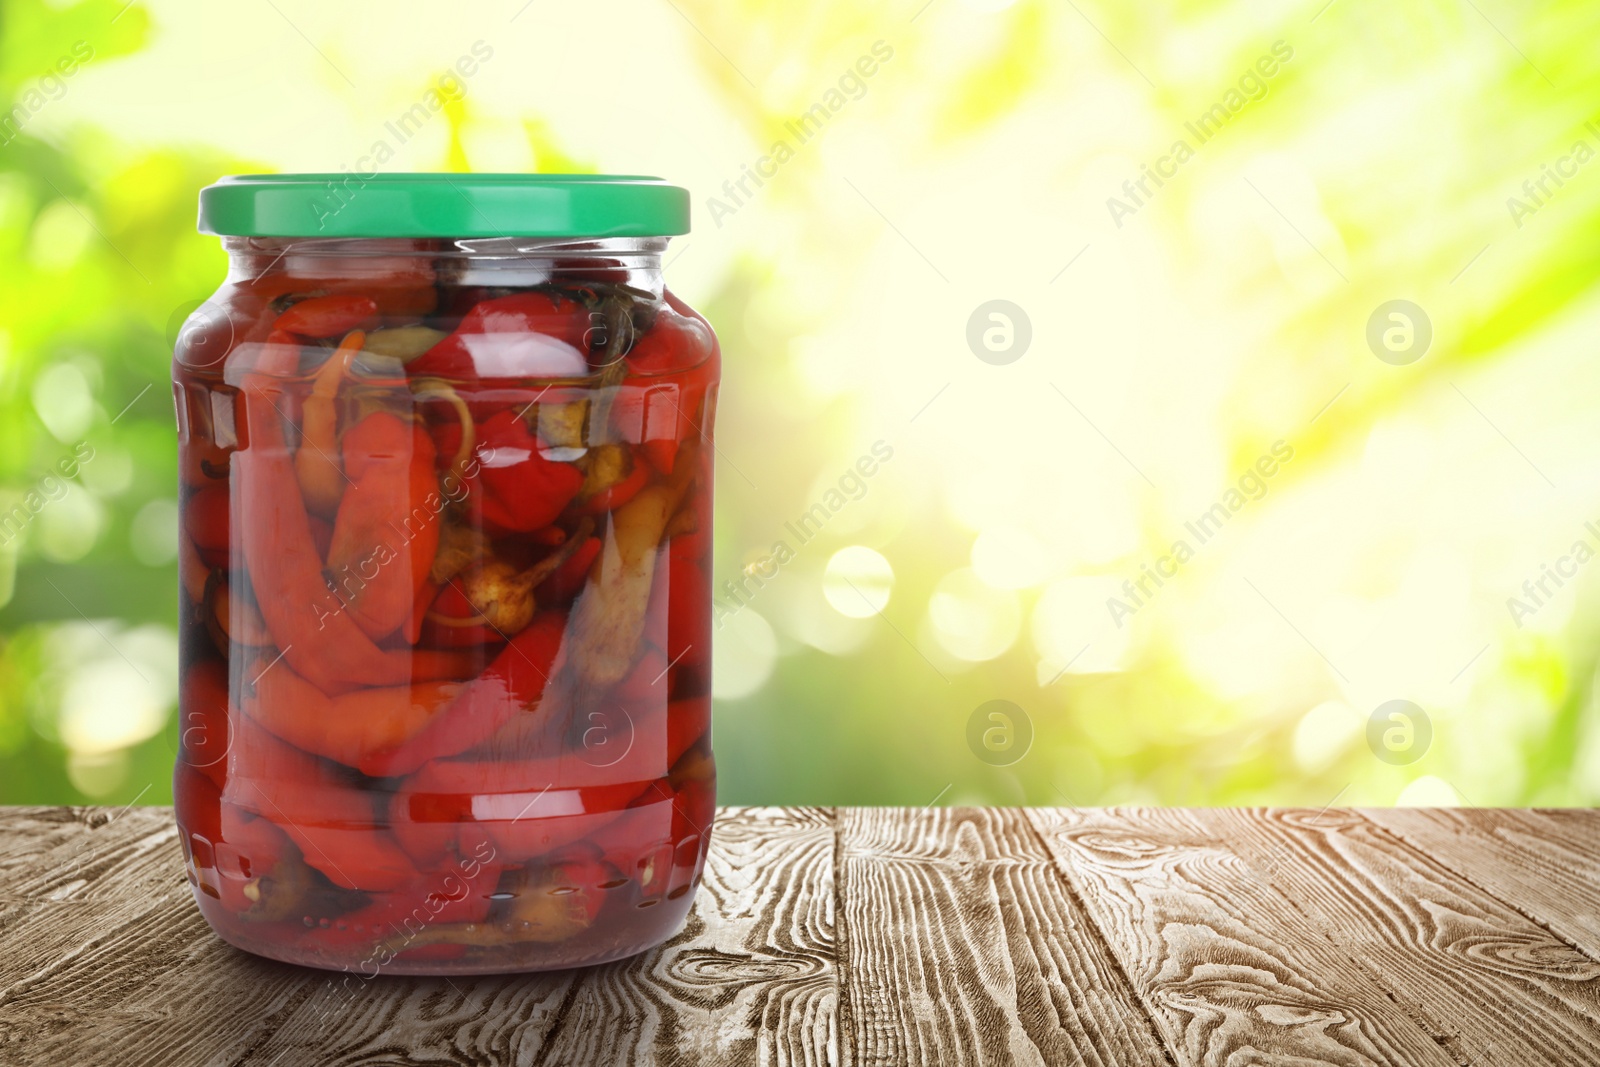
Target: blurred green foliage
{"type": "Point", "coordinates": [1219, 319]}
{"type": "Point", "coordinates": [99, 251]}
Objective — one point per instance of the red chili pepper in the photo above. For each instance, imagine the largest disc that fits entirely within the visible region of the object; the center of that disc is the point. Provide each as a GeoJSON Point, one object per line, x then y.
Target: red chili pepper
{"type": "Point", "coordinates": [321, 534]}
{"type": "Point", "coordinates": [653, 719]}
{"type": "Point", "coordinates": [205, 517]}
{"type": "Point", "coordinates": [334, 823]}
{"type": "Point", "coordinates": [457, 892]}
{"type": "Point", "coordinates": [693, 809]}
{"type": "Point", "coordinates": [204, 732]}
{"type": "Point", "coordinates": [675, 858]}
{"type": "Point", "coordinates": [567, 581]}
{"type": "Point", "coordinates": [614, 496]}
{"type": "Point", "coordinates": [197, 801]}
{"type": "Point", "coordinates": [307, 622]}
{"type": "Point", "coordinates": [633, 733]}
{"type": "Point", "coordinates": [524, 808]}
{"type": "Point", "coordinates": [652, 414]}
{"type": "Point", "coordinates": [660, 840]}
{"type": "Point", "coordinates": [203, 462]}
{"type": "Point", "coordinates": [550, 536]}
{"type": "Point", "coordinates": [512, 684]}
{"type": "Point", "coordinates": [316, 459]}
{"type": "Point", "coordinates": [400, 285]}
{"type": "Point", "coordinates": [661, 416]}
{"type": "Point", "coordinates": [523, 335]}
{"type": "Point", "coordinates": [688, 605]}
{"type": "Point", "coordinates": [260, 870]}
{"type": "Point", "coordinates": [417, 621]}
{"type": "Point", "coordinates": [243, 315]}
{"type": "Point", "coordinates": [349, 728]}
{"type": "Point", "coordinates": [660, 454]}
{"type": "Point", "coordinates": [688, 723]}
{"type": "Point", "coordinates": [387, 527]}
{"type": "Point", "coordinates": [519, 488]}
{"type": "Point", "coordinates": [404, 295]}
{"type": "Point", "coordinates": [639, 844]}
{"type": "Point", "coordinates": [677, 340]}
{"type": "Point", "coordinates": [494, 598]}
{"type": "Point", "coordinates": [328, 316]}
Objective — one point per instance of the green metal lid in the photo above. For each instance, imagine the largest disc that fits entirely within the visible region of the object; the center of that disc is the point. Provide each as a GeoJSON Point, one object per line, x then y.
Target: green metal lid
{"type": "Point", "coordinates": [444, 205]}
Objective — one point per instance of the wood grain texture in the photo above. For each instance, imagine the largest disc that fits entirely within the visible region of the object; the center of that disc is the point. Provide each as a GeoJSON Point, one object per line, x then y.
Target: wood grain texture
{"type": "Point", "coordinates": [30, 832]}
{"type": "Point", "coordinates": [55, 853]}
{"type": "Point", "coordinates": [1226, 966]}
{"type": "Point", "coordinates": [162, 990]}
{"type": "Point", "coordinates": [884, 936]}
{"type": "Point", "coordinates": [89, 890]}
{"type": "Point", "coordinates": [752, 979]}
{"type": "Point", "coordinates": [749, 980]}
{"type": "Point", "coordinates": [1546, 864]}
{"type": "Point", "coordinates": [350, 1020]}
{"type": "Point", "coordinates": [112, 953]}
{"type": "Point", "coordinates": [1480, 976]}
{"type": "Point", "coordinates": [963, 946]}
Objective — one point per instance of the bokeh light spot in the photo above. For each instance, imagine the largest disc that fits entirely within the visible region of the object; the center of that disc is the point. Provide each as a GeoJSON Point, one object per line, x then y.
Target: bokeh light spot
{"type": "Point", "coordinates": [743, 655]}
{"type": "Point", "coordinates": [60, 234]}
{"type": "Point", "coordinates": [858, 582]}
{"type": "Point", "coordinates": [1323, 735]}
{"type": "Point", "coordinates": [1428, 792]}
{"type": "Point", "coordinates": [63, 401]}
{"type": "Point", "coordinates": [153, 534]}
{"type": "Point", "coordinates": [68, 527]}
{"type": "Point", "coordinates": [970, 620]}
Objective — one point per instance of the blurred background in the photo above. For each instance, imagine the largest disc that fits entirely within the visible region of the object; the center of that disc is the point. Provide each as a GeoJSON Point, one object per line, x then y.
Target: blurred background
{"type": "Point", "coordinates": [1210, 515]}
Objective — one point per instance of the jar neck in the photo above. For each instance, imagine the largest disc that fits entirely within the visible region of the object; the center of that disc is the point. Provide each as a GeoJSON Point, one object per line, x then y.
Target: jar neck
{"type": "Point", "coordinates": [499, 261]}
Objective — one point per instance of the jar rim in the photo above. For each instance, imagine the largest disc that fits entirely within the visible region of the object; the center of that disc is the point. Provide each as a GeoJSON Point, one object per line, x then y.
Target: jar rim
{"type": "Point", "coordinates": [348, 204]}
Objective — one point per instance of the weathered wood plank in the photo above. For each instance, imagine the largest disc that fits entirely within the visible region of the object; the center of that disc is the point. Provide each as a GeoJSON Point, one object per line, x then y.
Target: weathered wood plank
{"type": "Point", "coordinates": [1546, 864]}
{"type": "Point", "coordinates": [109, 952]}
{"type": "Point", "coordinates": [755, 962]}
{"type": "Point", "coordinates": [1477, 973]}
{"type": "Point", "coordinates": [28, 831]}
{"type": "Point", "coordinates": [95, 885]}
{"type": "Point", "coordinates": [942, 835]}
{"type": "Point", "coordinates": [347, 1020]}
{"type": "Point", "coordinates": [963, 946]}
{"type": "Point", "coordinates": [1230, 971]}
{"type": "Point", "coordinates": [753, 977]}
{"type": "Point", "coordinates": [884, 936]}
{"type": "Point", "coordinates": [156, 989]}
{"type": "Point", "coordinates": [58, 847]}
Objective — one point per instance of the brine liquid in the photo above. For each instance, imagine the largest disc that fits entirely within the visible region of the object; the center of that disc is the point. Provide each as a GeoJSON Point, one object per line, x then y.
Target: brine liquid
{"type": "Point", "coordinates": [507, 779]}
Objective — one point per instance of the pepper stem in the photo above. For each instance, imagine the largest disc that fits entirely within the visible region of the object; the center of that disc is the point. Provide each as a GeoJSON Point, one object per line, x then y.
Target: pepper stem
{"type": "Point", "coordinates": [438, 387]}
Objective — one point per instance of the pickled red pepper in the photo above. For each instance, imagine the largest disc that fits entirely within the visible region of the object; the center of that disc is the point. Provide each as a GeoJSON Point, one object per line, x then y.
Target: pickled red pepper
{"type": "Point", "coordinates": [446, 694]}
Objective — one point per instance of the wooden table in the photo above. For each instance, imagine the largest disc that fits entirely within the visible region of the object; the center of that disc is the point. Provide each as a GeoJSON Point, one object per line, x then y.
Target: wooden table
{"type": "Point", "coordinates": [887, 936]}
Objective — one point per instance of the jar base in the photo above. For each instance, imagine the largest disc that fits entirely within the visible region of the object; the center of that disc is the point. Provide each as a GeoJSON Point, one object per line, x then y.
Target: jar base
{"type": "Point", "coordinates": [510, 958]}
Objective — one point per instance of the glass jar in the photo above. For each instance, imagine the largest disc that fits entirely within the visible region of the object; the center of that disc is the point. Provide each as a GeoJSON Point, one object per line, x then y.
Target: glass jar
{"type": "Point", "coordinates": [445, 444]}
